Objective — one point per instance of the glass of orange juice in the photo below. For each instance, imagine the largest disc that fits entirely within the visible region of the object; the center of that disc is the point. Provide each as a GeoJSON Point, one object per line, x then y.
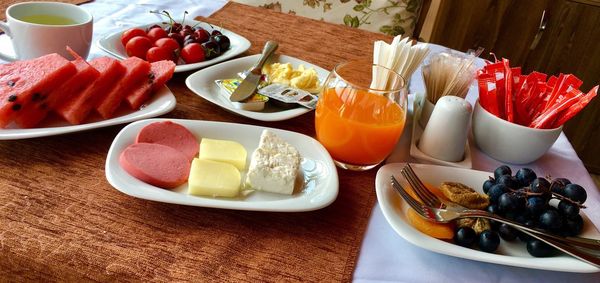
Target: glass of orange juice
{"type": "Point", "coordinates": [357, 120]}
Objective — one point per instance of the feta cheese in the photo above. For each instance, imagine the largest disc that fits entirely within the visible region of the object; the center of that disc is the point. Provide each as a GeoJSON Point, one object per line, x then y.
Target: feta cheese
{"type": "Point", "coordinates": [274, 165]}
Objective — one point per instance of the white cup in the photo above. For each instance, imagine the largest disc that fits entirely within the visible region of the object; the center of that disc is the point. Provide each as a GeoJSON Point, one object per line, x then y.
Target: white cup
{"type": "Point", "coordinates": [32, 40]}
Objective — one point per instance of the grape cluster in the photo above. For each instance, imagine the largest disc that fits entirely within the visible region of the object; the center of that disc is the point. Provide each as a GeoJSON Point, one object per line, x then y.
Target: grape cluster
{"type": "Point", "coordinates": [549, 204]}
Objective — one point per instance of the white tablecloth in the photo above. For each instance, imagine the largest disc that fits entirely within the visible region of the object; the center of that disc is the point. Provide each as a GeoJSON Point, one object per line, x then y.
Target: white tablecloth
{"type": "Point", "coordinates": [384, 255]}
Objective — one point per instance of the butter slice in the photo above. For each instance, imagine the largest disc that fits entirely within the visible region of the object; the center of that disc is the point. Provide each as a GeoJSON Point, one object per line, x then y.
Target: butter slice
{"type": "Point", "coordinates": [223, 151]}
{"type": "Point", "coordinates": [212, 178]}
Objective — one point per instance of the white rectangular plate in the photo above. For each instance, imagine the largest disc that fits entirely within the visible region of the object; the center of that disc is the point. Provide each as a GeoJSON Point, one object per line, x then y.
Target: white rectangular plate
{"type": "Point", "coordinates": [319, 186]}
{"type": "Point", "coordinates": [163, 101]}
{"type": "Point", "coordinates": [509, 253]}
{"type": "Point", "coordinates": [203, 84]}
{"type": "Point", "coordinates": [112, 44]}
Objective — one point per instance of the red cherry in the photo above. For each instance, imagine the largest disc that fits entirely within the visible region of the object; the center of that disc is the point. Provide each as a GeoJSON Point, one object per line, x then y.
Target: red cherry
{"type": "Point", "coordinates": [202, 35]}
{"type": "Point", "coordinates": [177, 37]}
{"type": "Point", "coordinates": [138, 46]}
{"type": "Point", "coordinates": [156, 34]}
{"type": "Point", "coordinates": [159, 53]}
{"type": "Point", "coordinates": [168, 43]}
{"type": "Point", "coordinates": [131, 33]}
{"type": "Point", "coordinates": [192, 53]}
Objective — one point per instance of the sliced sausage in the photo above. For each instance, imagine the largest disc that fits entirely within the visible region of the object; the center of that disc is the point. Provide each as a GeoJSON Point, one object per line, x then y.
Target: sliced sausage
{"type": "Point", "coordinates": [170, 134]}
{"type": "Point", "coordinates": [156, 164]}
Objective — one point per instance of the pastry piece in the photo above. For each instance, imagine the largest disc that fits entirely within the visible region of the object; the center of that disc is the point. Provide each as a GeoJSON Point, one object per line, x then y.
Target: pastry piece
{"type": "Point", "coordinates": [464, 195]}
{"type": "Point", "coordinates": [477, 224]}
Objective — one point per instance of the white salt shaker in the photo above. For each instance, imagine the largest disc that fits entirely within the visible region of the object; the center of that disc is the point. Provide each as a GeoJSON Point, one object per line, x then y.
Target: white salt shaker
{"type": "Point", "coordinates": [445, 134]}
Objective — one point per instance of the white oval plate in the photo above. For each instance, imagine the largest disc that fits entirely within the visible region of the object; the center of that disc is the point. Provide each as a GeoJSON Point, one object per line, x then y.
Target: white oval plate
{"type": "Point", "coordinates": [319, 187]}
{"type": "Point", "coordinates": [509, 253]}
{"type": "Point", "coordinates": [239, 44]}
{"type": "Point", "coordinates": [203, 84]}
{"type": "Point", "coordinates": [163, 101]}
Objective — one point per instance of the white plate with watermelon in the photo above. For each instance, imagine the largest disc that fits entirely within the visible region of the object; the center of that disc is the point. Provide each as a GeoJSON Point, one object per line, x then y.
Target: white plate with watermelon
{"type": "Point", "coordinates": [203, 84]}
{"type": "Point", "coordinates": [239, 44]}
{"type": "Point", "coordinates": [162, 102]}
{"type": "Point", "coordinates": [319, 174]}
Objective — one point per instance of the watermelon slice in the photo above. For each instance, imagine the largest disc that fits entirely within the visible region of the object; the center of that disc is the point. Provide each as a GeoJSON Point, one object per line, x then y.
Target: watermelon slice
{"type": "Point", "coordinates": [136, 74]}
{"type": "Point", "coordinates": [39, 109]}
{"type": "Point", "coordinates": [24, 81]}
{"type": "Point", "coordinates": [78, 108]}
{"type": "Point", "coordinates": [160, 73]}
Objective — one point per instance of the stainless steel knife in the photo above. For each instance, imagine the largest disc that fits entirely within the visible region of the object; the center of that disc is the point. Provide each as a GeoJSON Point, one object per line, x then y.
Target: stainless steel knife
{"type": "Point", "coordinates": [249, 84]}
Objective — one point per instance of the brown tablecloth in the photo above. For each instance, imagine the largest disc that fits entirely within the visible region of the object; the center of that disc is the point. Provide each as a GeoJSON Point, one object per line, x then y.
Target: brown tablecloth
{"type": "Point", "coordinates": [5, 3]}
{"type": "Point", "coordinates": [60, 219]}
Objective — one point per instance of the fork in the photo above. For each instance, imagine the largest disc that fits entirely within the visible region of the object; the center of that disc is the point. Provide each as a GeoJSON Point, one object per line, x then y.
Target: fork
{"type": "Point", "coordinates": [433, 201]}
{"type": "Point", "coordinates": [441, 215]}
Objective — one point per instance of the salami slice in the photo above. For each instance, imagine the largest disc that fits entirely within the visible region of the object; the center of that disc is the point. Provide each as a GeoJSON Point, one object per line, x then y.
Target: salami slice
{"type": "Point", "coordinates": [156, 164]}
{"type": "Point", "coordinates": [170, 134]}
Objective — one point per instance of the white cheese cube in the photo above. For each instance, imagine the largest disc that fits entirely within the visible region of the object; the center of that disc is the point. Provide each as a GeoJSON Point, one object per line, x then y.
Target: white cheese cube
{"type": "Point", "coordinates": [274, 165]}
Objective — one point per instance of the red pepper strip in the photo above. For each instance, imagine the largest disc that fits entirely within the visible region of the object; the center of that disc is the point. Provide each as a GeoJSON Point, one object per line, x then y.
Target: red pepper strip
{"type": "Point", "coordinates": [494, 109]}
{"type": "Point", "coordinates": [546, 120]}
{"type": "Point", "coordinates": [573, 110]}
{"type": "Point", "coordinates": [564, 84]}
{"type": "Point", "coordinates": [538, 95]}
{"type": "Point", "coordinates": [484, 81]}
{"type": "Point", "coordinates": [508, 94]}
{"type": "Point", "coordinates": [532, 81]}
{"type": "Point", "coordinates": [523, 98]}
{"type": "Point", "coordinates": [490, 68]}
{"type": "Point", "coordinates": [517, 80]}
{"type": "Point", "coordinates": [497, 70]}
{"type": "Point", "coordinates": [552, 81]}
{"type": "Point", "coordinates": [557, 85]}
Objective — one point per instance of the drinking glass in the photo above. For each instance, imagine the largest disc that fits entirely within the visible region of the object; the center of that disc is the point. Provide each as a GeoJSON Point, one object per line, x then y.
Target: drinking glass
{"type": "Point", "coordinates": [357, 119]}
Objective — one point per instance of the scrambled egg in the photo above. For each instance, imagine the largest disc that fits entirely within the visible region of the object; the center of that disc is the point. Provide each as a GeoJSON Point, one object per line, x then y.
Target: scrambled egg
{"type": "Point", "coordinates": [302, 78]}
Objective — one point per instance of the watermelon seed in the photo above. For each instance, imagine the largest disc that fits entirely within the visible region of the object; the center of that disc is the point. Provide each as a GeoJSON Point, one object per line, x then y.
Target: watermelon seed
{"type": "Point", "coordinates": [10, 83]}
{"type": "Point", "coordinates": [151, 78]}
{"type": "Point", "coordinates": [16, 107]}
{"type": "Point", "coordinates": [36, 96]}
{"type": "Point", "coordinates": [12, 98]}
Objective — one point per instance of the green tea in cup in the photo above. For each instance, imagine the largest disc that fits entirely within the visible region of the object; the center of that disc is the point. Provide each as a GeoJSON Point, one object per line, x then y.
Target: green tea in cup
{"type": "Point", "coordinates": [40, 28]}
{"type": "Point", "coordinates": [43, 19]}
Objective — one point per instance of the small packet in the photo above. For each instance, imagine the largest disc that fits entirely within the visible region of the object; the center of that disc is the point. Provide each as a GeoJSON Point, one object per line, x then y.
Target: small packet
{"type": "Point", "coordinates": [289, 95]}
{"type": "Point", "coordinates": [256, 102]}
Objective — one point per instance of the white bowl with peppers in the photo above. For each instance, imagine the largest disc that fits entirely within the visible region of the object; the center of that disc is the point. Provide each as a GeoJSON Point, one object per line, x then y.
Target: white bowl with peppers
{"type": "Point", "coordinates": [509, 142]}
{"type": "Point", "coordinates": [518, 117]}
